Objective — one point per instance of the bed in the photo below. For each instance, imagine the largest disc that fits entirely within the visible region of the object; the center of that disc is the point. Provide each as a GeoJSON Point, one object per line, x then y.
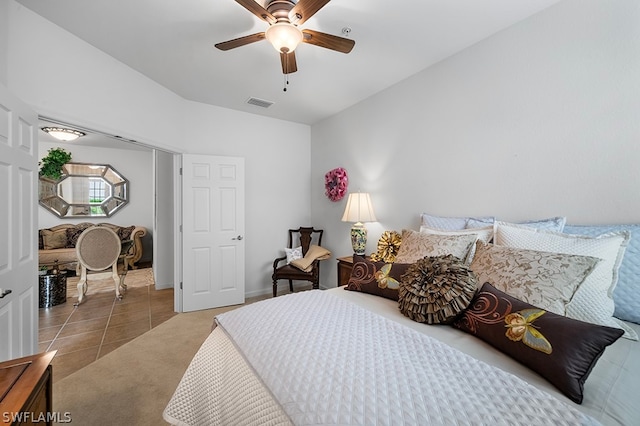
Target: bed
{"type": "Point", "coordinates": [352, 357]}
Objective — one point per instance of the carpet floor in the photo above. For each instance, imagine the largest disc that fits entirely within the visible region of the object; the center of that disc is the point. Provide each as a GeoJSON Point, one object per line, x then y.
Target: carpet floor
{"type": "Point", "coordinates": [132, 384]}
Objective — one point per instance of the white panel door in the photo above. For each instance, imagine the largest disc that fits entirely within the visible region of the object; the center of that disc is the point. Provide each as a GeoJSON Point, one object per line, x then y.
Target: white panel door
{"type": "Point", "coordinates": [18, 225]}
{"type": "Point", "coordinates": [213, 231]}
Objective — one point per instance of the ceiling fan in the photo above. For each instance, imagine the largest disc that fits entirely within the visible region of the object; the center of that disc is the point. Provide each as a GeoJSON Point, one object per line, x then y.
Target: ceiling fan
{"type": "Point", "coordinates": [284, 17]}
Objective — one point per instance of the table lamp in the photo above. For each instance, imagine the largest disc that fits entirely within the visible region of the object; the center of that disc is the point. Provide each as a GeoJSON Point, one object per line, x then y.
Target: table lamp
{"type": "Point", "coordinates": [359, 210]}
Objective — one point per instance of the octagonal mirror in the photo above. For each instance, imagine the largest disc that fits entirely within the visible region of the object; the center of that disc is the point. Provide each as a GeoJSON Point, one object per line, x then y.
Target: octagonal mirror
{"type": "Point", "coordinates": [84, 190]}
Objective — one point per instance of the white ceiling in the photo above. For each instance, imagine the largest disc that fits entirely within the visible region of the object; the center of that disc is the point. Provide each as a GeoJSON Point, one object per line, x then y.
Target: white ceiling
{"type": "Point", "coordinates": [171, 42]}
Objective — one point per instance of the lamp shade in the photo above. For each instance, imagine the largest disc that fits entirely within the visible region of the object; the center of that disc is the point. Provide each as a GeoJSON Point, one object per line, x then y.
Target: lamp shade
{"type": "Point", "coordinates": [284, 37]}
{"type": "Point", "coordinates": [63, 134]}
{"type": "Point", "coordinates": [359, 208]}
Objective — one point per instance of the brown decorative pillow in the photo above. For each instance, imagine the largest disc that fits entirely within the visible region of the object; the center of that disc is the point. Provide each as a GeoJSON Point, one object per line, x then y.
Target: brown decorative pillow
{"type": "Point", "coordinates": [377, 278]}
{"type": "Point", "coordinates": [560, 349]}
{"type": "Point", "coordinates": [416, 245]}
{"type": "Point", "coordinates": [74, 233]}
{"type": "Point", "coordinates": [125, 233]}
{"type": "Point", "coordinates": [434, 290]}
{"type": "Point", "coordinates": [53, 239]}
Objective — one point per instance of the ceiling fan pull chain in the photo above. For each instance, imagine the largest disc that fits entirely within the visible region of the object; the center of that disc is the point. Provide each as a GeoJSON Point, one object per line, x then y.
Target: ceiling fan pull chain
{"type": "Point", "coordinates": [286, 82]}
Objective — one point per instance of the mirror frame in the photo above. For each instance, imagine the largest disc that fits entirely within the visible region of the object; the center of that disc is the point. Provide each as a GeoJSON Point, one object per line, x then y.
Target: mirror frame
{"type": "Point", "coordinates": [50, 190]}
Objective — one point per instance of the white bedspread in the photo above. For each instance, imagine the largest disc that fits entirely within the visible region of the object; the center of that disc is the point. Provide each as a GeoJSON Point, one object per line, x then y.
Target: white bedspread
{"type": "Point", "coordinates": [329, 361]}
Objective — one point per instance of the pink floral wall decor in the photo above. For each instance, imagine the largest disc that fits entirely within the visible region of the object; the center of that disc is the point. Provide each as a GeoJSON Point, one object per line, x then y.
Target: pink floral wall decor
{"type": "Point", "coordinates": [335, 183]}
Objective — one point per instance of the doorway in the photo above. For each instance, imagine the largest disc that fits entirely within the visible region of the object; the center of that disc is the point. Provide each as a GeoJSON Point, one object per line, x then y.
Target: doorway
{"type": "Point", "coordinates": [151, 204]}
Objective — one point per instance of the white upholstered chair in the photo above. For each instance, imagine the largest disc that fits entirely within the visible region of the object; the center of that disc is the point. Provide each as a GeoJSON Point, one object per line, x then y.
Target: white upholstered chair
{"type": "Point", "coordinates": [98, 248]}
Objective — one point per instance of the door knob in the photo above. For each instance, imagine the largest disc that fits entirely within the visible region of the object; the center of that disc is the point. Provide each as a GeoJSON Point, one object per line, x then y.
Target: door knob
{"type": "Point", "coordinates": [239, 237]}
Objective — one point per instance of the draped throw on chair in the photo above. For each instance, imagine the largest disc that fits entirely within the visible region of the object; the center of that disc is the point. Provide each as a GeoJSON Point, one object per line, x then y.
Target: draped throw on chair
{"type": "Point", "coordinates": [306, 237]}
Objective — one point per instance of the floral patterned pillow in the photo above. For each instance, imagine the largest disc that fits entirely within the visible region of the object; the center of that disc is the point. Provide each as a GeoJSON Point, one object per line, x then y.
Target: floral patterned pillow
{"type": "Point", "coordinates": [293, 254]}
{"type": "Point", "coordinates": [560, 349]}
{"type": "Point", "coordinates": [416, 245]}
{"type": "Point", "coordinates": [546, 280]}
{"type": "Point", "coordinates": [74, 232]}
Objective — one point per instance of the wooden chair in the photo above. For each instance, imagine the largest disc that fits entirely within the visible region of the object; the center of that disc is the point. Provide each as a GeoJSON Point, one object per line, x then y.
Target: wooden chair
{"type": "Point", "coordinates": [305, 236]}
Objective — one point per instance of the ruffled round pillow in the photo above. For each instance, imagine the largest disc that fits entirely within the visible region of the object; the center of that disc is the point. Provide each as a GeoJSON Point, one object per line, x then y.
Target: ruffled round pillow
{"type": "Point", "coordinates": [434, 290]}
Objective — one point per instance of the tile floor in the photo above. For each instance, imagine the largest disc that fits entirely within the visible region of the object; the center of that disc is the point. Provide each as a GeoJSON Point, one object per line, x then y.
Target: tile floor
{"type": "Point", "coordinates": [99, 325]}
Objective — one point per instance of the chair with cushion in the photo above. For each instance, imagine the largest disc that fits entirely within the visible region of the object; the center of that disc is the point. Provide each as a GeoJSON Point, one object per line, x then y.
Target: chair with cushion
{"type": "Point", "coordinates": [302, 238]}
{"type": "Point", "coordinates": [99, 248]}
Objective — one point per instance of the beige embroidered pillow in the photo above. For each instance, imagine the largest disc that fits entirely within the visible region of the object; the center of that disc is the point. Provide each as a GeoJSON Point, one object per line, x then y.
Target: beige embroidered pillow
{"type": "Point", "coordinates": [482, 234]}
{"type": "Point", "coordinates": [543, 279]}
{"type": "Point", "coordinates": [416, 245]}
{"type": "Point", "coordinates": [54, 239]}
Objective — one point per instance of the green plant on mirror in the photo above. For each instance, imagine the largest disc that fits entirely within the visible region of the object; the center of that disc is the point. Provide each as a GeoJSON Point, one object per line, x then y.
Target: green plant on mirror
{"type": "Point", "coordinates": [51, 165]}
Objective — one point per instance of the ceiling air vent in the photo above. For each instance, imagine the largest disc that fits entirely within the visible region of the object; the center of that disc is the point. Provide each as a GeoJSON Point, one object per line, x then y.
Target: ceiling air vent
{"type": "Point", "coordinates": [259, 102]}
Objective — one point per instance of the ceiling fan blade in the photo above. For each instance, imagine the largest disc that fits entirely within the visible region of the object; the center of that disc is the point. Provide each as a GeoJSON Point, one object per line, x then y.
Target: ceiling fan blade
{"type": "Point", "coordinates": [288, 61]}
{"type": "Point", "coordinates": [328, 41]}
{"type": "Point", "coordinates": [241, 41]}
{"type": "Point", "coordinates": [305, 9]}
{"type": "Point", "coordinates": [253, 7]}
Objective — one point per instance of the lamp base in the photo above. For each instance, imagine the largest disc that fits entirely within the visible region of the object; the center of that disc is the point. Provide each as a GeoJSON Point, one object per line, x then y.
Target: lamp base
{"type": "Point", "coordinates": [359, 238]}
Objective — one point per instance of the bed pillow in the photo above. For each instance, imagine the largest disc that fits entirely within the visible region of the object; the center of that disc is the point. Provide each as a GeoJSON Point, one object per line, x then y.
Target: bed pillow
{"type": "Point", "coordinates": [550, 224]}
{"type": "Point", "coordinates": [434, 290]}
{"type": "Point", "coordinates": [482, 234]}
{"type": "Point", "coordinates": [293, 254]}
{"type": "Point", "coordinates": [546, 280]}
{"type": "Point", "coordinates": [626, 295]}
{"type": "Point", "coordinates": [416, 245]}
{"type": "Point", "coordinates": [560, 349]}
{"type": "Point", "coordinates": [593, 301]}
{"type": "Point", "coordinates": [377, 278]}
{"type": "Point", "coordinates": [447, 223]}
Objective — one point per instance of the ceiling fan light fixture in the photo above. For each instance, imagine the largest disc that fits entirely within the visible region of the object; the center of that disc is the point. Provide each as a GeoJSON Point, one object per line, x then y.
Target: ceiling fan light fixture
{"type": "Point", "coordinates": [284, 36]}
{"type": "Point", "coordinates": [63, 133]}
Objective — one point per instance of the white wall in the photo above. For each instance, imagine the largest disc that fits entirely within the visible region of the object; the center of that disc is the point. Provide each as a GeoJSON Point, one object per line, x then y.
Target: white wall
{"type": "Point", "coordinates": [136, 166]}
{"type": "Point", "coordinates": [541, 119]}
{"type": "Point", "coordinates": [100, 93]}
{"type": "Point", "coordinates": [4, 43]}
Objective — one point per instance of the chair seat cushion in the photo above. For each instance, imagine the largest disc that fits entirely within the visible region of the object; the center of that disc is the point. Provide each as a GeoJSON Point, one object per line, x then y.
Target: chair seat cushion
{"type": "Point", "coordinates": [291, 272]}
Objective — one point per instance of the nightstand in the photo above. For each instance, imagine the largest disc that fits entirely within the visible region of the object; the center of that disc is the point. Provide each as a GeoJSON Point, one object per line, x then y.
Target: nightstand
{"type": "Point", "coordinates": [345, 264]}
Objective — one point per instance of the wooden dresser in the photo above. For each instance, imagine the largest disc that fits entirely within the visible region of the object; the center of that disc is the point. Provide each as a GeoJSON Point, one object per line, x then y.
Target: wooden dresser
{"type": "Point", "coordinates": [25, 390]}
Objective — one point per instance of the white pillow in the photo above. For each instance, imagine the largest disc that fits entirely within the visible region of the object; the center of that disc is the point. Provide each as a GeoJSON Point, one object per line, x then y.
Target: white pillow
{"type": "Point", "coordinates": [293, 254]}
{"type": "Point", "coordinates": [482, 234]}
{"type": "Point", "coordinates": [593, 300]}
{"type": "Point", "coordinates": [551, 224]}
{"type": "Point", "coordinates": [448, 223]}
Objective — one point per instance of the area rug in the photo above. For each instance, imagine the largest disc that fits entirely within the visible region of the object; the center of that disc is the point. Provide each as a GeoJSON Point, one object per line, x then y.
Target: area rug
{"type": "Point", "coordinates": [102, 282]}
